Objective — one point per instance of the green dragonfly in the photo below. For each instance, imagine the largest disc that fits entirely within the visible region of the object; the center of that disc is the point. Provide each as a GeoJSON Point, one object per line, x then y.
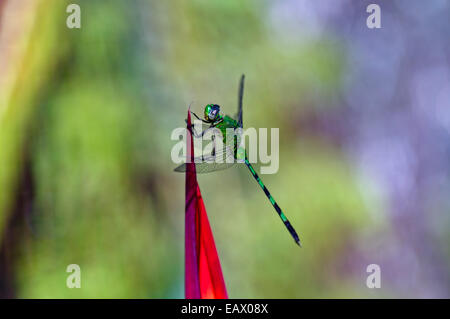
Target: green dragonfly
{"type": "Point", "coordinates": [230, 153]}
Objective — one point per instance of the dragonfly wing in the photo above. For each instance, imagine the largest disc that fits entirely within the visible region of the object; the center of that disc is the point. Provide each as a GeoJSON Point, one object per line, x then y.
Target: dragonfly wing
{"type": "Point", "coordinates": [203, 167]}
{"type": "Point", "coordinates": [240, 97]}
{"type": "Point", "coordinates": [205, 164]}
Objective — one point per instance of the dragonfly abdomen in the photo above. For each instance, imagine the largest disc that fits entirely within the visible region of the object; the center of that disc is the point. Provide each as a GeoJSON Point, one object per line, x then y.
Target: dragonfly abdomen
{"type": "Point", "coordinates": [274, 203]}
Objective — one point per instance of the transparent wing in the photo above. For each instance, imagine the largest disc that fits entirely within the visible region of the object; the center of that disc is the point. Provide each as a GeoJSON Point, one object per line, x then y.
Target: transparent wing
{"type": "Point", "coordinates": [221, 160]}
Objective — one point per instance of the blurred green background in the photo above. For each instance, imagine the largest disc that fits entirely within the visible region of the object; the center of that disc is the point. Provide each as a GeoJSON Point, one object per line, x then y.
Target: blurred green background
{"type": "Point", "coordinates": [86, 175]}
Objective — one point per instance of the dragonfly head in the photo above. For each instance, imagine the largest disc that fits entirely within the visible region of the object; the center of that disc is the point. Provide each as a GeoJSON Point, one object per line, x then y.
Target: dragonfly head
{"type": "Point", "coordinates": [212, 112]}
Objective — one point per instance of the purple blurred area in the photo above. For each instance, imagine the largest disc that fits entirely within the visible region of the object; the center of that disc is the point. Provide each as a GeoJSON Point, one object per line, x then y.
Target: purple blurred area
{"type": "Point", "coordinates": [392, 119]}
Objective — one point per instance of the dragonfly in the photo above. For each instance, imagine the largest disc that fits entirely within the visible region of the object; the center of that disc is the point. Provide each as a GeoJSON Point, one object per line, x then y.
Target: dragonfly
{"type": "Point", "coordinates": [231, 152]}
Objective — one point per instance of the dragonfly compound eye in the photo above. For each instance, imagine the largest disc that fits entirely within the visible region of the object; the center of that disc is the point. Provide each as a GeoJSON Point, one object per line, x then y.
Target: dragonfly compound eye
{"type": "Point", "coordinates": [211, 112]}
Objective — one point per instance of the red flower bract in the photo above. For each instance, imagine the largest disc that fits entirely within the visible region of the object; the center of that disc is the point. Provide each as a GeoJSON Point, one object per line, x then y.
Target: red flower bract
{"type": "Point", "coordinates": [203, 274]}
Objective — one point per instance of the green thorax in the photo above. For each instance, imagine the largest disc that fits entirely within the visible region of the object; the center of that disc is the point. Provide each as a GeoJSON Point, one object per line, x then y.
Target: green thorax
{"type": "Point", "coordinates": [225, 122]}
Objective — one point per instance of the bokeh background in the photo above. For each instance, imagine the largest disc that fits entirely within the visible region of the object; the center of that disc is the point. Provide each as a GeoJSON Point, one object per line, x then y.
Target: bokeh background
{"type": "Point", "coordinates": [86, 175]}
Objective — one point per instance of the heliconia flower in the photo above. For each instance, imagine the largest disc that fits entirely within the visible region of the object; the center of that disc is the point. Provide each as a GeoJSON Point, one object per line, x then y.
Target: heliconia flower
{"type": "Point", "coordinates": [203, 273]}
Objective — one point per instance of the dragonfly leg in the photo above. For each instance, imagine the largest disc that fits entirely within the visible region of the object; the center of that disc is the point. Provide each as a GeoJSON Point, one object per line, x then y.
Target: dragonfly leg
{"type": "Point", "coordinates": [198, 118]}
{"type": "Point", "coordinates": [191, 128]}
